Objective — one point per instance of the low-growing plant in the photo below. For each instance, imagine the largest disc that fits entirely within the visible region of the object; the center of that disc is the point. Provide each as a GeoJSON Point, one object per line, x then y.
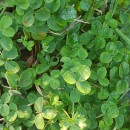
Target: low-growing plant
{"type": "Point", "coordinates": [64, 64]}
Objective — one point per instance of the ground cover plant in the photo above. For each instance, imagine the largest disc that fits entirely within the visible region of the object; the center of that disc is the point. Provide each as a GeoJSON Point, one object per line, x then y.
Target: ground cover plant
{"type": "Point", "coordinates": [64, 64]}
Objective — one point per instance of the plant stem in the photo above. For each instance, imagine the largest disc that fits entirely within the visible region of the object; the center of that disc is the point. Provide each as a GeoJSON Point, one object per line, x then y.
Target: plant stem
{"type": "Point", "coordinates": [124, 94]}
{"type": "Point", "coordinates": [122, 35]}
{"type": "Point", "coordinates": [2, 11]}
{"type": "Point", "coordinates": [2, 119]}
{"type": "Point", "coordinates": [66, 113]}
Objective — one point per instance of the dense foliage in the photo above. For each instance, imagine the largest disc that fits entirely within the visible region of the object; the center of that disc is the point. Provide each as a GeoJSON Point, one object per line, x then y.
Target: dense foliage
{"type": "Point", "coordinates": [65, 64]}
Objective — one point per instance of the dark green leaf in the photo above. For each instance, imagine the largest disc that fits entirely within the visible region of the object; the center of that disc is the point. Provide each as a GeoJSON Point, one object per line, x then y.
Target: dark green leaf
{"type": "Point", "coordinates": [105, 57]}
{"type": "Point", "coordinates": [74, 96]}
{"type": "Point", "coordinates": [54, 83]}
{"type": "Point", "coordinates": [42, 14]}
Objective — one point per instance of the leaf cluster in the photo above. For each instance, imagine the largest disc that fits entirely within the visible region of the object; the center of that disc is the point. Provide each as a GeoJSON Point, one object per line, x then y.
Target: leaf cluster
{"type": "Point", "coordinates": [64, 64]}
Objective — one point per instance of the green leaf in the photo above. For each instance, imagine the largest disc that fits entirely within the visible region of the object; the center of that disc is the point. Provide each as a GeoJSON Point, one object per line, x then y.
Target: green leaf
{"type": "Point", "coordinates": [119, 121]}
{"type": "Point", "coordinates": [38, 105]}
{"type": "Point", "coordinates": [86, 38]}
{"type": "Point", "coordinates": [53, 25]}
{"type": "Point", "coordinates": [8, 32]}
{"type": "Point", "coordinates": [6, 21]}
{"type": "Point", "coordinates": [69, 77]}
{"type": "Point", "coordinates": [5, 97]}
{"type": "Point", "coordinates": [102, 126]}
{"type": "Point", "coordinates": [113, 73]}
{"type": "Point", "coordinates": [112, 23]}
{"type": "Point", "coordinates": [19, 11]}
{"type": "Point", "coordinates": [28, 19]}
{"type": "Point", "coordinates": [1, 62]}
{"type": "Point", "coordinates": [26, 78]}
{"type": "Point", "coordinates": [42, 14]}
{"type": "Point", "coordinates": [102, 71]}
{"type": "Point", "coordinates": [24, 112]}
{"type": "Point", "coordinates": [45, 80]}
{"type": "Point", "coordinates": [30, 121]}
{"type": "Point", "coordinates": [105, 32]}
{"type": "Point", "coordinates": [68, 13]}
{"type": "Point", "coordinates": [11, 117]}
{"type": "Point", "coordinates": [12, 79]}
{"type": "Point", "coordinates": [84, 72]}
{"type": "Point", "coordinates": [105, 57]}
{"type": "Point", "coordinates": [113, 112]}
{"type": "Point", "coordinates": [104, 81]}
{"type": "Point", "coordinates": [53, 6]}
{"type": "Point", "coordinates": [9, 55]}
{"type": "Point", "coordinates": [49, 112]}
{"type": "Point", "coordinates": [13, 106]}
{"type": "Point", "coordinates": [83, 87]}
{"type": "Point", "coordinates": [96, 25]}
{"type": "Point", "coordinates": [85, 4]}
{"type": "Point", "coordinates": [12, 66]}
{"type": "Point", "coordinates": [82, 53]}
{"type": "Point", "coordinates": [103, 94]}
{"type": "Point", "coordinates": [99, 43]}
{"type": "Point", "coordinates": [4, 110]}
{"type": "Point", "coordinates": [35, 4]}
{"type": "Point", "coordinates": [31, 97]}
{"type": "Point", "coordinates": [108, 121]}
{"type": "Point", "coordinates": [39, 121]}
{"type": "Point", "coordinates": [42, 68]}
{"type": "Point", "coordinates": [111, 47]}
{"type": "Point", "coordinates": [122, 86]}
{"type": "Point", "coordinates": [55, 73]}
{"type": "Point", "coordinates": [23, 4]}
{"type": "Point", "coordinates": [54, 83]}
{"type": "Point", "coordinates": [65, 51]}
{"type": "Point", "coordinates": [118, 57]}
{"type": "Point", "coordinates": [6, 43]}
{"type": "Point", "coordinates": [74, 96]}
{"type": "Point", "coordinates": [48, 1]}
{"type": "Point", "coordinates": [93, 75]}
{"type": "Point", "coordinates": [29, 45]}
{"type": "Point", "coordinates": [39, 35]}
{"type": "Point", "coordinates": [124, 69]}
{"type": "Point", "coordinates": [106, 106]}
